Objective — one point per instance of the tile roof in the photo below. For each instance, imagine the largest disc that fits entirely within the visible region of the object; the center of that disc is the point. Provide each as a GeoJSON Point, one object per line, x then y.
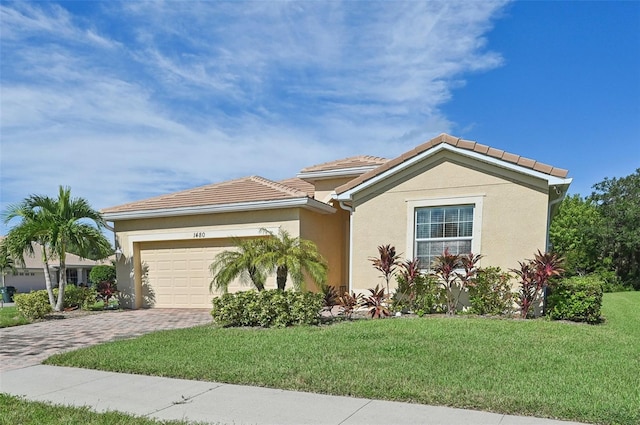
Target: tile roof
{"type": "Point", "coordinates": [462, 144]}
{"type": "Point", "coordinates": [301, 185]}
{"type": "Point", "coordinates": [351, 162]}
{"type": "Point", "coordinates": [246, 189]}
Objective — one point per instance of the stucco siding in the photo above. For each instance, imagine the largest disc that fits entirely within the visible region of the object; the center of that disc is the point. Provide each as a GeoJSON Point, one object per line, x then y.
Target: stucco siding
{"type": "Point", "coordinates": [510, 224]}
{"type": "Point", "coordinates": [328, 231]}
{"type": "Point", "coordinates": [201, 232]}
{"type": "Point", "coordinates": [325, 187]}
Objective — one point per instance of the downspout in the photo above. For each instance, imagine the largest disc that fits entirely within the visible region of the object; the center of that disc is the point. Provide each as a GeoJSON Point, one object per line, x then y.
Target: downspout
{"type": "Point", "coordinates": [561, 196]}
{"type": "Point", "coordinates": [551, 205]}
{"type": "Point", "coordinates": [351, 209]}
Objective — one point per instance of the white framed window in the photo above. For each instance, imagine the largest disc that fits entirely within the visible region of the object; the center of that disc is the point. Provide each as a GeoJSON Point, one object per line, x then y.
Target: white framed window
{"type": "Point", "coordinates": [434, 225]}
{"type": "Point", "coordinates": [72, 276]}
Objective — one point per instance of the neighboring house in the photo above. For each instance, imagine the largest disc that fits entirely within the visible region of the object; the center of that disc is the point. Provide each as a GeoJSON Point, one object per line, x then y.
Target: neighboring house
{"type": "Point", "coordinates": [31, 276]}
{"type": "Point", "coordinates": [447, 192]}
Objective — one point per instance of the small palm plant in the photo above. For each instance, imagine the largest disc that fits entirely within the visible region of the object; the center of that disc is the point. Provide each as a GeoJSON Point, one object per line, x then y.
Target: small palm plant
{"type": "Point", "coordinates": [291, 256]}
{"type": "Point", "coordinates": [239, 263]}
{"type": "Point", "coordinates": [386, 262]}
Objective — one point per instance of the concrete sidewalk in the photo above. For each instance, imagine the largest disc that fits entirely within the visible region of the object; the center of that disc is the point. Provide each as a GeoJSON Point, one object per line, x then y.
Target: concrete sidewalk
{"type": "Point", "coordinates": [210, 402]}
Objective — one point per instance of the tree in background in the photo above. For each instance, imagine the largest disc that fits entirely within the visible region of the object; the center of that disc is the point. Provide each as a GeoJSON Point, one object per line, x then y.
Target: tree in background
{"type": "Point", "coordinates": [574, 233]}
{"type": "Point", "coordinates": [56, 224]}
{"type": "Point", "coordinates": [618, 201]}
{"type": "Point", "coordinates": [601, 233]}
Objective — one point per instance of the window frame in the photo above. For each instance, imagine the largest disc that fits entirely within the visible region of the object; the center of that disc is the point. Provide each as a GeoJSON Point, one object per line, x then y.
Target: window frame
{"type": "Point", "coordinates": [476, 201]}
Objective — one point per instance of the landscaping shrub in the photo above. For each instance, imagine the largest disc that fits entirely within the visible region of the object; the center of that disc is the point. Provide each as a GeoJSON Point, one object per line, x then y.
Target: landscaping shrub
{"type": "Point", "coordinates": [535, 276]}
{"type": "Point", "coordinates": [376, 303]}
{"type": "Point", "coordinates": [34, 305]}
{"type": "Point", "coordinates": [104, 280]}
{"type": "Point", "coordinates": [272, 308]}
{"type": "Point", "coordinates": [349, 303]}
{"type": "Point", "coordinates": [491, 293]}
{"type": "Point", "coordinates": [611, 282]}
{"type": "Point", "coordinates": [577, 298]}
{"type": "Point", "coordinates": [103, 273]}
{"type": "Point", "coordinates": [425, 296]}
{"type": "Point", "coordinates": [456, 272]}
{"type": "Point", "coordinates": [77, 296]}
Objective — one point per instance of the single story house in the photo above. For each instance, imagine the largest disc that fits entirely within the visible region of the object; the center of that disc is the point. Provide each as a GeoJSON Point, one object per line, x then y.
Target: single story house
{"type": "Point", "coordinates": [31, 276]}
{"type": "Point", "coordinates": [446, 193]}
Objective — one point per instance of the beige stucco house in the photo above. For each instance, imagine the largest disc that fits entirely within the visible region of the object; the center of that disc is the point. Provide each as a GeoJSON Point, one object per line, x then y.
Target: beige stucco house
{"type": "Point", "coordinates": [447, 192]}
{"type": "Point", "coordinates": [29, 276]}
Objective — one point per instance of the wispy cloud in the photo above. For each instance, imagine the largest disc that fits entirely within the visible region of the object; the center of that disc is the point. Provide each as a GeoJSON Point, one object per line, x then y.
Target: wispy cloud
{"type": "Point", "coordinates": [128, 100]}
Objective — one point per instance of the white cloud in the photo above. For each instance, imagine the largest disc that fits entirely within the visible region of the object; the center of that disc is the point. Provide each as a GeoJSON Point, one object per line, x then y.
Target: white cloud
{"type": "Point", "coordinates": [160, 96]}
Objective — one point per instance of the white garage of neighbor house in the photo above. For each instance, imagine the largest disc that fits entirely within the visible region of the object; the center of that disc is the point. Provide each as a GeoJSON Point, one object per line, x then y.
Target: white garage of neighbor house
{"type": "Point", "coordinates": [446, 193]}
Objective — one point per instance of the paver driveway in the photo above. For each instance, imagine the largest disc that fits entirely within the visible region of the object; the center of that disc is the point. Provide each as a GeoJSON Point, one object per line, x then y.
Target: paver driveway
{"type": "Point", "coordinates": [28, 345]}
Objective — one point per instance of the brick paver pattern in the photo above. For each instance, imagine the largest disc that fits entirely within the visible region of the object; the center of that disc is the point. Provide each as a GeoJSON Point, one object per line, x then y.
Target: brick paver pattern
{"type": "Point", "coordinates": [27, 345]}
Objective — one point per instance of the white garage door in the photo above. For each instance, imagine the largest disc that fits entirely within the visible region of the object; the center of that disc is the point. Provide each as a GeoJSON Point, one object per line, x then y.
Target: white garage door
{"type": "Point", "coordinates": [176, 273]}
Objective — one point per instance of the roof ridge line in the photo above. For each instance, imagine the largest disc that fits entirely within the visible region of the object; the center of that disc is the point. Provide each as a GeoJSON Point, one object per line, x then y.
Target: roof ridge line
{"type": "Point", "coordinates": [278, 186]}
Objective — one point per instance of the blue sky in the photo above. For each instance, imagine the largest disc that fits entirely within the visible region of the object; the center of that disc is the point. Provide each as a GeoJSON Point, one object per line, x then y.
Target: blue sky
{"type": "Point", "coordinates": [127, 100]}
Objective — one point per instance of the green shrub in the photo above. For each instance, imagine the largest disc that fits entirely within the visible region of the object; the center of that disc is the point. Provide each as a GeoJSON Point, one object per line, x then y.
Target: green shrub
{"type": "Point", "coordinates": [425, 296]}
{"type": "Point", "coordinates": [577, 298]}
{"type": "Point", "coordinates": [272, 308]}
{"type": "Point", "coordinates": [77, 296]}
{"type": "Point", "coordinates": [611, 282]}
{"type": "Point", "coordinates": [103, 273]}
{"type": "Point", "coordinates": [34, 305]}
{"type": "Point", "coordinates": [491, 294]}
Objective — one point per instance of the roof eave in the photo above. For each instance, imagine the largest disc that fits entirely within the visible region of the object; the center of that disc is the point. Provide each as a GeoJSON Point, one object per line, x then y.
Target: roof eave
{"type": "Point", "coordinates": [551, 180]}
{"type": "Point", "coordinates": [304, 202]}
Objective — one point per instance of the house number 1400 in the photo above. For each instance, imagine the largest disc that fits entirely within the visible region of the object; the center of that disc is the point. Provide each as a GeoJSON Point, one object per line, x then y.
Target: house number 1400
{"type": "Point", "coordinates": [198, 234]}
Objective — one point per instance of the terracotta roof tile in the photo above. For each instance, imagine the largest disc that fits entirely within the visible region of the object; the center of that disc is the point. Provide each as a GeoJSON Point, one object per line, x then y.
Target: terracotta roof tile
{"type": "Point", "coordinates": [462, 144]}
{"type": "Point", "coordinates": [509, 157]}
{"type": "Point", "coordinates": [559, 172]}
{"type": "Point", "coordinates": [299, 184]}
{"type": "Point", "coordinates": [543, 168]}
{"type": "Point", "coordinates": [496, 153]}
{"type": "Point", "coordinates": [246, 189]}
{"type": "Point", "coordinates": [466, 144]}
{"type": "Point", "coordinates": [483, 149]}
{"type": "Point", "coordinates": [526, 162]}
{"type": "Point", "coordinates": [351, 162]}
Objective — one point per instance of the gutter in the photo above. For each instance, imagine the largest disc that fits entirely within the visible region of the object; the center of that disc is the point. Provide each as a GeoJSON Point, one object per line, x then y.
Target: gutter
{"type": "Point", "coordinates": [306, 203]}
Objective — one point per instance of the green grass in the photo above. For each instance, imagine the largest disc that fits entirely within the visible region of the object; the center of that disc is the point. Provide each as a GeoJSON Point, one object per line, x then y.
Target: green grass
{"type": "Point", "coordinates": [16, 410]}
{"type": "Point", "coordinates": [540, 368]}
{"type": "Point", "coordinates": [9, 316]}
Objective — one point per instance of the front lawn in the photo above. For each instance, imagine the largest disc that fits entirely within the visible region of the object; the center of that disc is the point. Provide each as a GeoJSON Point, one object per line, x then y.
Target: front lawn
{"type": "Point", "coordinates": [16, 410]}
{"type": "Point", "coordinates": [550, 369]}
{"type": "Point", "coordinates": [10, 316]}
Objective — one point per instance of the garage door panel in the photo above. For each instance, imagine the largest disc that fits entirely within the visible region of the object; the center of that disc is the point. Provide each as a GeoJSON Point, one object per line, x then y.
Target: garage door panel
{"type": "Point", "coordinates": [179, 277]}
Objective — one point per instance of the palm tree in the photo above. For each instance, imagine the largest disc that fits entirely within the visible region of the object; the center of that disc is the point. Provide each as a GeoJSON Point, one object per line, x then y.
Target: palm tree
{"type": "Point", "coordinates": [57, 224]}
{"type": "Point", "coordinates": [229, 265]}
{"type": "Point", "coordinates": [23, 237]}
{"type": "Point", "coordinates": [292, 256]}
